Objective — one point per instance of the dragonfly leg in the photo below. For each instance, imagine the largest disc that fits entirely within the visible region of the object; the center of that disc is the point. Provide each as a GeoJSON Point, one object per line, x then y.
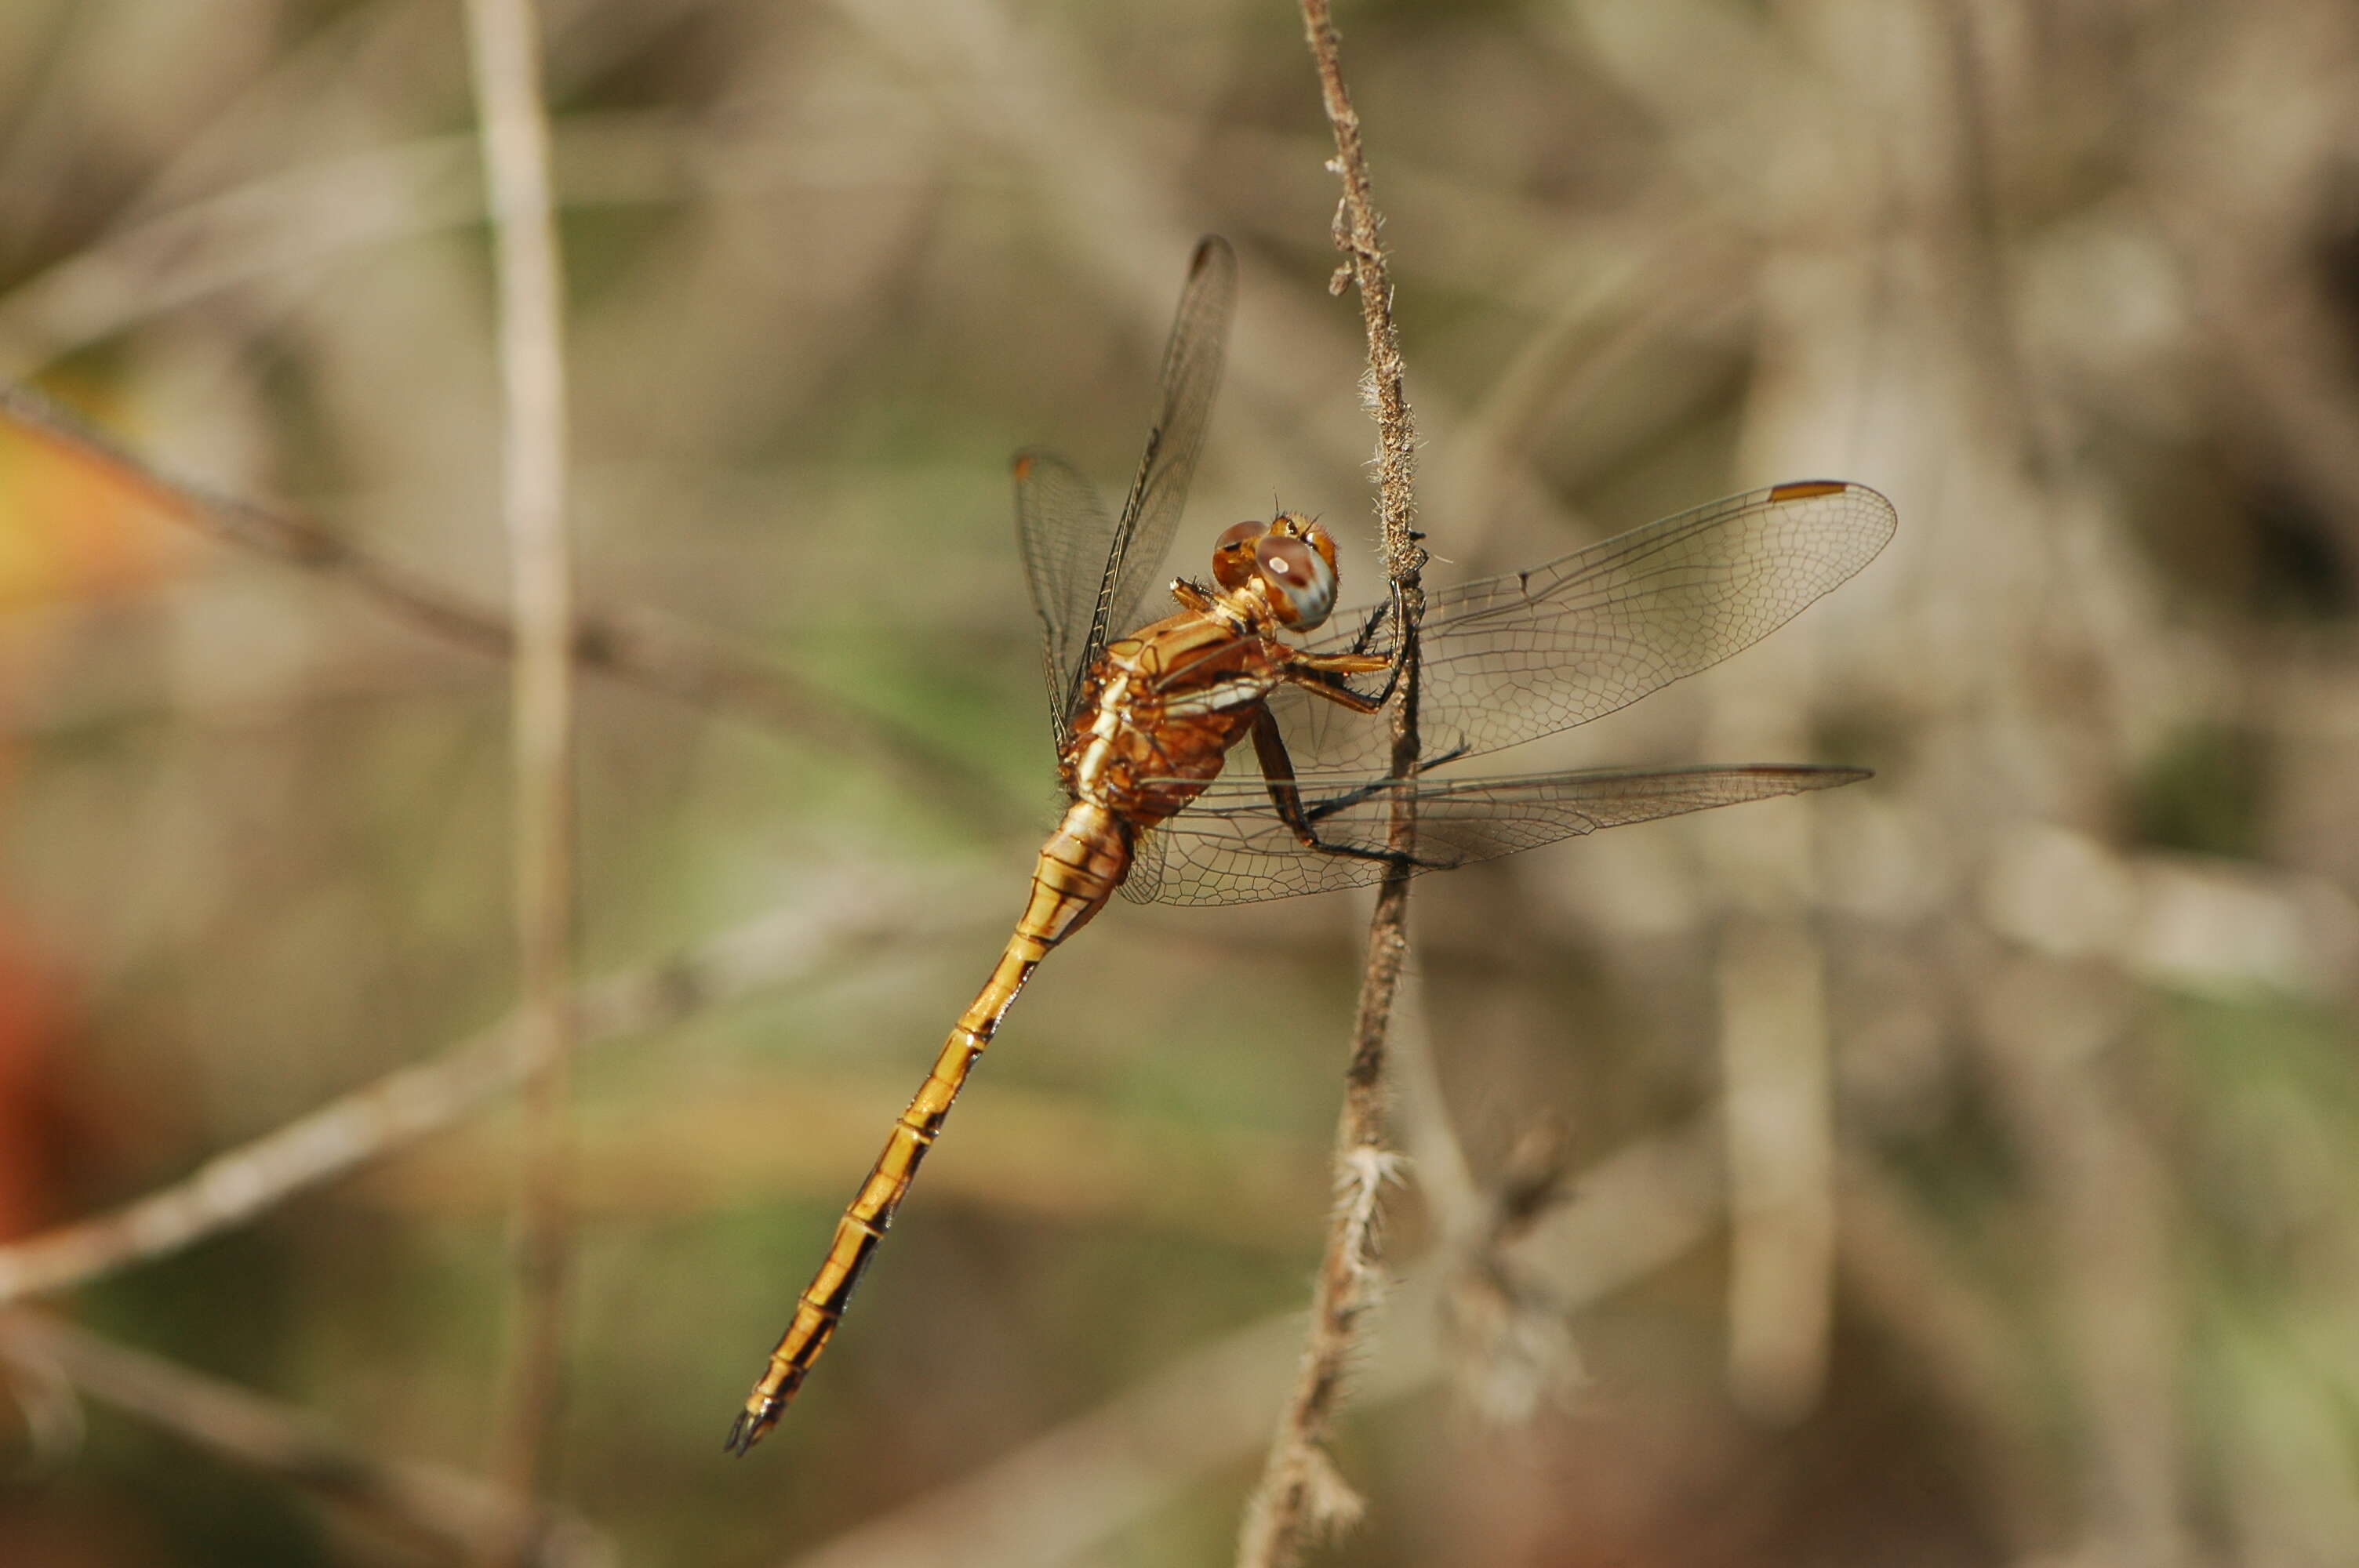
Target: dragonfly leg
{"type": "Point", "coordinates": [1324, 674]}
{"type": "Point", "coordinates": [1277, 773]}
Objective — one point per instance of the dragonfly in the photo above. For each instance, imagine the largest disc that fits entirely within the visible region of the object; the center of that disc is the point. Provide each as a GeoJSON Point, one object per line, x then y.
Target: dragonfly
{"type": "Point", "coordinates": [1146, 718]}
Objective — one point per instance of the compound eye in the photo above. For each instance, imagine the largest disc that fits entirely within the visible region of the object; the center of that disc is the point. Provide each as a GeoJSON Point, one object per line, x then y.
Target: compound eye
{"type": "Point", "coordinates": [1233, 553]}
{"type": "Point", "coordinates": [1301, 583]}
{"type": "Point", "coordinates": [1319, 539]}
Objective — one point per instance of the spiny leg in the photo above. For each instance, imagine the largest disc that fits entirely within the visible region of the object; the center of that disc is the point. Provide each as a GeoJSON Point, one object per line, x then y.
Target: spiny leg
{"type": "Point", "coordinates": [1277, 773]}
{"type": "Point", "coordinates": [1324, 673]}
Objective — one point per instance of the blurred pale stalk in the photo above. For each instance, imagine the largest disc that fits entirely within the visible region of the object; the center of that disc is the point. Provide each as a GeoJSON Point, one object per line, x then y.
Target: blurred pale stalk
{"type": "Point", "coordinates": [504, 45]}
{"type": "Point", "coordinates": [2055, 1027]}
{"type": "Point", "coordinates": [1779, 1124]}
{"type": "Point", "coordinates": [2049, 1027]}
{"type": "Point", "coordinates": [1777, 1078]}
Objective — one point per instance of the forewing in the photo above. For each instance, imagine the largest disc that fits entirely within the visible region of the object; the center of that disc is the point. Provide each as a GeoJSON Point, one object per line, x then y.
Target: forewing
{"type": "Point", "coordinates": [1192, 375]}
{"type": "Point", "coordinates": [1508, 659]}
{"type": "Point", "coordinates": [1091, 577]}
{"type": "Point", "coordinates": [1229, 846]}
{"type": "Point", "coordinates": [1065, 532]}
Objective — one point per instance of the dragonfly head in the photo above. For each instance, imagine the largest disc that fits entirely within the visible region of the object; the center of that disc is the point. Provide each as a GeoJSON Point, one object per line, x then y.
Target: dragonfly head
{"type": "Point", "coordinates": [1286, 565]}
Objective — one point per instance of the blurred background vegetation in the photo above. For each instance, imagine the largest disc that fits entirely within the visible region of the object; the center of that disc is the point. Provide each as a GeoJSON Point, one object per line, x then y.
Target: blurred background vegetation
{"type": "Point", "coordinates": [1961, 1168]}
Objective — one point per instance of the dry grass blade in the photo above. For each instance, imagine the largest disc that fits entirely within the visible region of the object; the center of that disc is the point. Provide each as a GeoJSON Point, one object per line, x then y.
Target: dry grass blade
{"type": "Point", "coordinates": [419, 1501]}
{"type": "Point", "coordinates": [401, 1107]}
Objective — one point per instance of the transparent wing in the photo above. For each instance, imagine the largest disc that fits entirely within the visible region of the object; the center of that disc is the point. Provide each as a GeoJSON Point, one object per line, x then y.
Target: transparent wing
{"type": "Point", "coordinates": [1090, 579]}
{"type": "Point", "coordinates": [1065, 532]}
{"type": "Point", "coordinates": [1191, 375]}
{"type": "Point", "coordinates": [1508, 659]}
{"type": "Point", "coordinates": [1229, 846]}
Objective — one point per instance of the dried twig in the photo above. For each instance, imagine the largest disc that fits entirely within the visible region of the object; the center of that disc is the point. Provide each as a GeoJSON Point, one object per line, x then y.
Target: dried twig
{"type": "Point", "coordinates": [513, 119]}
{"type": "Point", "coordinates": [1509, 1343]}
{"type": "Point", "coordinates": [403, 1107]}
{"type": "Point", "coordinates": [632, 646]}
{"type": "Point", "coordinates": [1301, 1495]}
{"type": "Point", "coordinates": [1511, 1346]}
{"type": "Point", "coordinates": [421, 1501]}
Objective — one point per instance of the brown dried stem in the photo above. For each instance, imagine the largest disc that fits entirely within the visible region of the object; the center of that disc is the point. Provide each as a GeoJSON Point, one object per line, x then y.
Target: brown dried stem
{"type": "Point", "coordinates": [1301, 1495]}
{"type": "Point", "coordinates": [632, 646]}
{"type": "Point", "coordinates": [422, 1502]}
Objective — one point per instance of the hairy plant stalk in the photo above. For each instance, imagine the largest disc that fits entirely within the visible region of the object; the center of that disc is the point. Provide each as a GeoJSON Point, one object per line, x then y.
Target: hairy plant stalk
{"type": "Point", "coordinates": [513, 119]}
{"type": "Point", "coordinates": [1301, 1494]}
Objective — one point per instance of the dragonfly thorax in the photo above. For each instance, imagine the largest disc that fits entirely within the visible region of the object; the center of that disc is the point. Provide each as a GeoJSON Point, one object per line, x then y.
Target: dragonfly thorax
{"type": "Point", "coordinates": [1163, 705]}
